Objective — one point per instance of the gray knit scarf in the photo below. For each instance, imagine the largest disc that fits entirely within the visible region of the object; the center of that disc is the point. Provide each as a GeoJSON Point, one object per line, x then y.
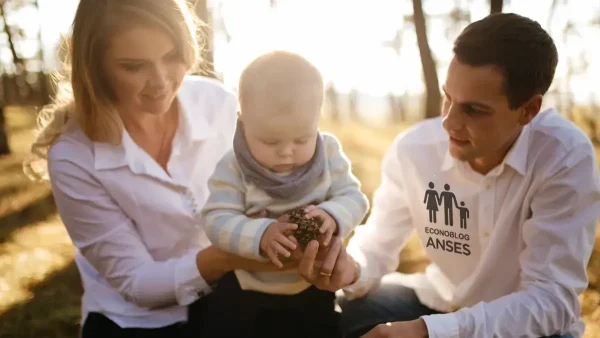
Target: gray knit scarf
{"type": "Point", "coordinates": [278, 186]}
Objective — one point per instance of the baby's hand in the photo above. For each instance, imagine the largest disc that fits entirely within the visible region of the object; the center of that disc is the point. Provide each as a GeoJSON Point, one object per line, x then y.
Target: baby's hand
{"type": "Point", "coordinates": [328, 224]}
{"type": "Point", "coordinates": [275, 242]}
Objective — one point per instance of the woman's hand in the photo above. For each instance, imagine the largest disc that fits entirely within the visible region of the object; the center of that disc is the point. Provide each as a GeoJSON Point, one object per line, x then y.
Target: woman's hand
{"type": "Point", "coordinates": [213, 263]}
{"type": "Point", "coordinates": [329, 269]}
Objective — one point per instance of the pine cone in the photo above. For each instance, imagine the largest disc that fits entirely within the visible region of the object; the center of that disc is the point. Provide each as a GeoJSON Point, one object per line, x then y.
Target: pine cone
{"type": "Point", "coordinates": [308, 228]}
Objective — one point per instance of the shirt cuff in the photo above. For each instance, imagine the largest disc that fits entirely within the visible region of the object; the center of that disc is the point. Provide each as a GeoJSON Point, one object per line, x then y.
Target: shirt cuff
{"type": "Point", "coordinates": [442, 325]}
{"type": "Point", "coordinates": [361, 286]}
{"type": "Point", "coordinates": [189, 284]}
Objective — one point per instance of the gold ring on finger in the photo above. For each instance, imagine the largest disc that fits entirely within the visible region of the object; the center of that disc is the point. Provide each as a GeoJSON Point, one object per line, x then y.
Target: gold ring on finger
{"type": "Point", "coordinates": [325, 274]}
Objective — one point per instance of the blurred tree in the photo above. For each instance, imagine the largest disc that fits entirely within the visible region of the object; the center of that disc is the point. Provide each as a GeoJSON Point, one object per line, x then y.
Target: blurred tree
{"type": "Point", "coordinates": [208, 67]}
{"type": "Point", "coordinates": [18, 62]}
{"type": "Point", "coordinates": [592, 119]}
{"type": "Point", "coordinates": [496, 6]}
{"type": "Point", "coordinates": [24, 81]}
{"type": "Point", "coordinates": [551, 15]}
{"type": "Point", "coordinates": [332, 100]}
{"type": "Point", "coordinates": [397, 113]}
{"type": "Point", "coordinates": [568, 104]}
{"type": "Point", "coordinates": [4, 148]}
{"type": "Point", "coordinates": [433, 96]}
{"type": "Point", "coordinates": [459, 17]}
{"type": "Point", "coordinates": [353, 105]}
{"type": "Point", "coordinates": [396, 103]}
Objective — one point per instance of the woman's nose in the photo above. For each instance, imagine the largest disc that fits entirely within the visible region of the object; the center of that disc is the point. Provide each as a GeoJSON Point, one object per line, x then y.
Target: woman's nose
{"type": "Point", "coordinates": [158, 78]}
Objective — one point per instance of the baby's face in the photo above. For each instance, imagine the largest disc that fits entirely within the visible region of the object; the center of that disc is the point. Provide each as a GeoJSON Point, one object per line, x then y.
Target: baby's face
{"type": "Point", "coordinates": [281, 141]}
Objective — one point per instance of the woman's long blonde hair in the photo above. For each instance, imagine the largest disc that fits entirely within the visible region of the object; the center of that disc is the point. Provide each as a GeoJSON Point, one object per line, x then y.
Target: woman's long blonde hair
{"type": "Point", "coordinates": [87, 99]}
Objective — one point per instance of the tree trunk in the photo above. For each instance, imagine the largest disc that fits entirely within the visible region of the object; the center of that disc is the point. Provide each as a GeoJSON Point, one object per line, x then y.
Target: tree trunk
{"type": "Point", "coordinates": [593, 120]}
{"type": "Point", "coordinates": [11, 44]}
{"type": "Point", "coordinates": [43, 92]}
{"type": "Point", "coordinates": [334, 108]}
{"type": "Point", "coordinates": [433, 95]}
{"type": "Point", "coordinates": [208, 67]}
{"type": "Point", "coordinates": [353, 105]}
{"type": "Point", "coordinates": [496, 6]}
{"type": "Point", "coordinates": [4, 149]}
{"type": "Point", "coordinates": [551, 15]}
{"type": "Point", "coordinates": [396, 109]}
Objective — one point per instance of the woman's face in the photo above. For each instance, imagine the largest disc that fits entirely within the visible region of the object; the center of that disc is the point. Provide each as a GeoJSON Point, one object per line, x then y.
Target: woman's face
{"type": "Point", "coordinates": [144, 70]}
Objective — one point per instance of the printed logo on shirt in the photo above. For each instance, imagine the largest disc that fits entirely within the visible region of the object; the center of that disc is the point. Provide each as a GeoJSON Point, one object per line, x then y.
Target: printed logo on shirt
{"type": "Point", "coordinates": [448, 201]}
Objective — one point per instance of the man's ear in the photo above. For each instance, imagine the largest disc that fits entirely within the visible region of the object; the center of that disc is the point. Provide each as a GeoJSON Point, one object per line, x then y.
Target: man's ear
{"type": "Point", "coordinates": [530, 109]}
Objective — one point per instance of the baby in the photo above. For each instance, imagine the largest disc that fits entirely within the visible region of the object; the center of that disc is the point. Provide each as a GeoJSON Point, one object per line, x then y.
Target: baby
{"type": "Point", "coordinates": [279, 161]}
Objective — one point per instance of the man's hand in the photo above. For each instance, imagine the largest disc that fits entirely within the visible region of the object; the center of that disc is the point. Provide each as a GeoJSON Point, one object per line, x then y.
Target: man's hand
{"type": "Point", "coordinates": [330, 268]}
{"type": "Point", "coordinates": [275, 241]}
{"type": "Point", "coordinates": [328, 224]}
{"type": "Point", "coordinates": [411, 329]}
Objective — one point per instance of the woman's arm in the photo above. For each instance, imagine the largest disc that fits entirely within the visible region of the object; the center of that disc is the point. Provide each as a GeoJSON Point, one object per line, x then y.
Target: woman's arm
{"type": "Point", "coordinates": [108, 239]}
{"type": "Point", "coordinates": [213, 263]}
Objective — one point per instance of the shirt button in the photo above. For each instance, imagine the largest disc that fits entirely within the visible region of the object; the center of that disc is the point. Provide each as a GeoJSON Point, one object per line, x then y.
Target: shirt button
{"type": "Point", "coordinates": [486, 234]}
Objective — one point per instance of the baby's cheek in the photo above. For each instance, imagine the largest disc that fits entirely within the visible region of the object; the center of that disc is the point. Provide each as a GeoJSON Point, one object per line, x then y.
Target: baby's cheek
{"type": "Point", "coordinates": [306, 155]}
{"type": "Point", "coordinates": [262, 154]}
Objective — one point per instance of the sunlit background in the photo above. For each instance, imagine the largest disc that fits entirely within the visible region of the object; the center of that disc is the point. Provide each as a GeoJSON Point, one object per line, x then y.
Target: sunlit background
{"type": "Point", "coordinates": [368, 46]}
{"type": "Point", "coordinates": [368, 53]}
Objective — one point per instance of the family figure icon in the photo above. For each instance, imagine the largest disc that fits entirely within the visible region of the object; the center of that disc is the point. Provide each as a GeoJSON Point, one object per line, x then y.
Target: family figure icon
{"type": "Point", "coordinates": [433, 200]}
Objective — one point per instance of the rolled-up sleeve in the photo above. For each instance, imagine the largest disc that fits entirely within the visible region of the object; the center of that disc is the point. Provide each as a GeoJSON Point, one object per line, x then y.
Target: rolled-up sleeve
{"type": "Point", "coordinates": [559, 239]}
{"type": "Point", "coordinates": [107, 238]}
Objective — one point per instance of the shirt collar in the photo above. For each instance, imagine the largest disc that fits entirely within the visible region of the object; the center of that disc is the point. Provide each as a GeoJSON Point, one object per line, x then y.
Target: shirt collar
{"type": "Point", "coordinates": [515, 158]}
{"type": "Point", "coordinates": [517, 155]}
{"type": "Point", "coordinates": [194, 125]}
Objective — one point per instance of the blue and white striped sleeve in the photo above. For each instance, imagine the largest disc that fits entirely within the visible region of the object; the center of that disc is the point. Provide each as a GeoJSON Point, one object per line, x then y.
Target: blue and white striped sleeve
{"type": "Point", "coordinates": [225, 221]}
{"type": "Point", "coordinates": [345, 201]}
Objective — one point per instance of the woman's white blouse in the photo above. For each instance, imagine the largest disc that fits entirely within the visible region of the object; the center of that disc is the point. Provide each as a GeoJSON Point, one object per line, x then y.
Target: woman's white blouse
{"type": "Point", "coordinates": [136, 228]}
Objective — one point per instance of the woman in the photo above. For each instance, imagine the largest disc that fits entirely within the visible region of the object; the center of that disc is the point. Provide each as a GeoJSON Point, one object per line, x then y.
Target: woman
{"type": "Point", "coordinates": [129, 154]}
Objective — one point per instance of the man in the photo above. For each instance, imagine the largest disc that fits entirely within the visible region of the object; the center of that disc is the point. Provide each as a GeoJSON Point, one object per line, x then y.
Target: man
{"type": "Point", "coordinates": [528, 180]}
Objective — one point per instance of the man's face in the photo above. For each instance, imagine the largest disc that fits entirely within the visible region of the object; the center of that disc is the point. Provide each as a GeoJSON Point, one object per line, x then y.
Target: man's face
{"type": "Point", "coordinates": [476, 115]}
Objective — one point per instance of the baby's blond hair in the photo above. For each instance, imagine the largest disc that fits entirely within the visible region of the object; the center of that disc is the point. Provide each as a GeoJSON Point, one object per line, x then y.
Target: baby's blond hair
{"type": "Point", "coordinates": [280, 81]}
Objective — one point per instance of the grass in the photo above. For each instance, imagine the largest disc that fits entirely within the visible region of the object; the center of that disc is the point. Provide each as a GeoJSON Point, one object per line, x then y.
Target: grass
{"type": "Point", "coordinates": [40, 288]}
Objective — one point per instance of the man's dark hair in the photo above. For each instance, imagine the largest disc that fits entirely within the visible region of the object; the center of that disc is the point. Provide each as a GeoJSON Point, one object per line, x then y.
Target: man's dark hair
{"type": "Point", "coordinates": [518, 46]}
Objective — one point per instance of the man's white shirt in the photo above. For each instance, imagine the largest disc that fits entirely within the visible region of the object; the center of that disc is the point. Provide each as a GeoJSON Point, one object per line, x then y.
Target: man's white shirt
{"type": "Point", "coordinates": [507, 249]}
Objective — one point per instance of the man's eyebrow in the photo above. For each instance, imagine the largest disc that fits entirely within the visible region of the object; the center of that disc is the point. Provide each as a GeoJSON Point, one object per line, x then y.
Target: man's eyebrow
{"type": "Point", "coordinates": [475, 104]}
{"type": "Point", "coordinates": [478, 105]}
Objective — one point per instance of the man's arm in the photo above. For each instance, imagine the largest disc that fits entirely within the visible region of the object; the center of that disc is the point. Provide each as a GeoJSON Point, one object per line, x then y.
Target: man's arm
{"type": "Point", "coordinates": [345, 201]}
{"type": "Point", "coordinates": [225, 221]}
{"type": "Point", "coordinates": [559, 239]}
{"type": "Point", "coordinates": [376, 245]}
